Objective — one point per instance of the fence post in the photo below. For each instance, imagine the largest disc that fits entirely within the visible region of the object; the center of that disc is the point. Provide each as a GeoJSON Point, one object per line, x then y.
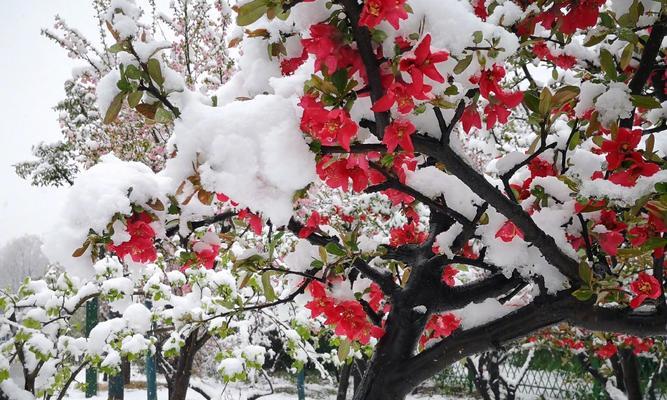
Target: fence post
{"type": "Point", "coordinates": [92, 308]}
{"type": "Point", "coordinates": [116, 382]}
{"type": "Point", "coordinates": [301, 384]}
{"type": "Point", "coordinates": [151, 379]}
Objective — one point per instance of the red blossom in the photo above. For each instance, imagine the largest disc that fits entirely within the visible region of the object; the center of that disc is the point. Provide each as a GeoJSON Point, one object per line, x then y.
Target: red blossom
{"type": "Point", "coordinates": [621, 146]}
{"type": "Point", "coordinates": [140, 246]}
{"type": "Point", "coordinates": [423, 63]}
{"type": "Point", "coordinates": [289, 65]}
{"type": "Point", "coordinates": [508, 231]}
{"type": "Point", "coordinates": [606, 351]}
{"type": "Point", "coordinates": [398, 133]}
{"type": "Point", "coordinates": [448, 274]}
{"type": "Point", "coordinates": [375, 11]}
{"type": "Point", "coordinates": [312, 224]}
{"type": "Point", "coordinates": [470, 118]}
{"type": "Point", "coordinates": [253, 220]}
{"type": "Point", "coordinates": [644, 287]}
{"type": "Point", "coordinates": [406, 234]}
{"type": "Point", "coordinates": [439, 326]}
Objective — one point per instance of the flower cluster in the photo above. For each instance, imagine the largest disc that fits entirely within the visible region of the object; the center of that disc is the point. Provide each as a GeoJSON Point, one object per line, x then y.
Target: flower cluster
{"type": "Point", "coordinates": [347, 316]}
{"type": "Point", "coordinates": [624, 160]}
{"type": "Point", "coordinates": [140, 246]}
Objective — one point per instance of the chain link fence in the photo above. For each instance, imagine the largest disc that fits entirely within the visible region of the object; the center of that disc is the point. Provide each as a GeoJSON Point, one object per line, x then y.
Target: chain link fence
{"type": "Point", "coordinates": [565, 383]}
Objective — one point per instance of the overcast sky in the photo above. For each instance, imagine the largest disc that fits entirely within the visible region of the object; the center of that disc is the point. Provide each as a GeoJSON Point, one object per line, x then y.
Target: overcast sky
{"type": "Point", "coordinates": [32, 72]}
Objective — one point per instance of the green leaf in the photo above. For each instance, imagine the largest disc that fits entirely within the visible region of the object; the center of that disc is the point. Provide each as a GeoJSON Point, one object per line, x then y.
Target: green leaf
{"type": "Point", "coordinates": [582, 294]}
{"type": "Point", "coordinates": [531, 101]}
{"type": "Point", "coordinates": [626, 55]}
{"type": "Point", "coordinates": [343, 350]}
{"type": "Point", "coordinates": [645, 102]}
{"type": "Point", "coordinates": [585, 273]}
{"type": "Point", "coordinates": [134, 98]}
{"type": "Point", "coordinates": [163, 116]}
{"type": "Point", "coordinates": [335, 249]}
{"type": "Point", "coordinates": [477, 37]}
{"type": "Point", "coordinates": [267, 288]}
{"type": "Point", "coordinates": [545, 101]}
{"type": "Point", "coordinates": [154, 71]}
{"type": "Point", "coordinates": [463, 64]}
{"type": "Point", "coordinates": [608, 64]}
{"type": "Point", "coordinates": [564, 95]}
{"type": "Point", "coordinates": [114, 108]}
{"type": "Point", "coordinates": [593, 40]}
{"type": "Point", "coordinates": [132, 72]}
{"type": "Point", "coordinates": [251, 12]}
{"type": "Point", "coordinates": [339, 79]}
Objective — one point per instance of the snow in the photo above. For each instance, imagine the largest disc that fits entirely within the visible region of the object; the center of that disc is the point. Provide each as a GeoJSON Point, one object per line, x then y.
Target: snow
{"type": "Point", "coordinates": [433, 182]}
{"type": "Point", "coordinates": [614, 103]}
{"type": "Point", "coordinates": [106, 90]}
{"type": "Point", "coordinates": [251, 151]}
{"type": "Point", "coordinates": [138, 318]}
{"type": "Point", "coordinates": [622, 195]}
{"type": "Point", "coordinates": [476, 314]}
{"type": "Point", "coordinates": [445, 239]}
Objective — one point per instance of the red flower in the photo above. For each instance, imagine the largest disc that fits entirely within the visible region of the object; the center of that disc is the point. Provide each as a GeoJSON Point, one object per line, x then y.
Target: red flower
{"type": "Point", "coordinates": [637, 167]}
{"type": "Point", "coordinates": [401, 94]}
{"type": "Point", "coordinates": [606, 351]}
{"type": "Point", "coordinates": [448, 274]}
{"type": "Point", "coordinates": [289, 65]}
{"type": "Point", "coordinates": [470, 118]}
{"type": "Point", "coordinates": [375, 11]}
{"type": "Point", "coordinates": [253, 220]}
{"type": "Point", "coordinates": [439, 326]}
{"type": "Point", "coordinates": [398, 133]}
{"type": "Point", "coordinates": [338, 127]}
{"type": "Point", "coordinates": [140, 247]}
{"type": "Point", "coordinates": [540, 168]}
{"type": "Point", "coordinates": [638, 345]}
{"type": "Point", "coordinates": [326, 44]}
{"type": "Point", "coordinates": [495, 113]}
{"type": "Point", "coordinates": [397, 197]}
{"type": "Point", "coordinates": [508, 231]}
{"type": "Point", "coordinates": [312, 224]}
{"type": "Point", "coordinates": [480, 10]}
{"type": "Point", "coordinates": [489, 82]}
{"type": "Point", "coordinates": [621, 146]}
{"type": "Point", "coordinates": [542, 51]}
{"type": "Point", "coordinates": [423, 63]}
{"type": "Point", "coordinates": [406, 234]}
{"type": "Point", "coordinates": [206, 253]}
{"type": "Point", "coordinates": [644, 287]}
{"type": "Point", "coordinates": [337, 173]}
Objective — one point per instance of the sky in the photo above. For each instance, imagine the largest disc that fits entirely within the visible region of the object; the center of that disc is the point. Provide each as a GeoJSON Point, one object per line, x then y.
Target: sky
{"type": "Point", "coordinates": [32, 72]}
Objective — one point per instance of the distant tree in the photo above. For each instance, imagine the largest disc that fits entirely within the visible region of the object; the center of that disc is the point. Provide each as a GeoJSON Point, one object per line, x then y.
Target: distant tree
{"type": "Point", "coordinates": [19, 258]}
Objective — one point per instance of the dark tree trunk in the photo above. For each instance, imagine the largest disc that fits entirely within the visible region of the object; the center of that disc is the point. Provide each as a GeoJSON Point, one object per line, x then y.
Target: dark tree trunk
{"type": "Point", "coordinates": [631, 374]}
{"type": "Point", "coordinates": [126, 367]}
{"type": "Point", "coordinates": [343, 382]}
{"type": "Point", "coordinates": [180, 379]}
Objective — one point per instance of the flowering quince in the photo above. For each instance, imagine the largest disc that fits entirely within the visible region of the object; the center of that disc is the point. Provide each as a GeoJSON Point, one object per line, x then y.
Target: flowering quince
{"type": "Point", "coordinates": [397, 197]}
{"type": "Point", "coordinates": [403, 162]}
{"type": "Point", "coordinates": [140, 247]}
{"type": "Point", "coordinates": [489, 82]}
{"type": "Point", "coordinates": [348, 317]}
{"type": "Point", "coordinates": [401, 94]}
{"type": "Point", "coordinates": [448, 274]}
{"type": "Point", "coordinates": [326, 44]}
{"type": "Point", "coordinates": [637, 167]}
{"type": "Point", "coordinates": [612, 238]}
{"type": "Point", "coordinates": [406, 234]}
{"type": "Point", "coordinates": [329, 127]}
{"type": "Point", "coordinates": [638, 345]}
{"type": "Point", "coordinates": [337, 173]}
{"type": "Point", "coordinates": [569, 343]}
{"type": "Point", "coordinates": [289, 65]}
{"type": "Point", "coordinates": [564, 61]}
{"type": "Point", "coordinates": [398, 133]}
{"type": "Point", "coordinates": [470, 118]}
{"type": "Point", "coordinates": [423, 63]}
{"type": "Point", "coordinates": [253, 220]}
{"type": "Point", "coordinates": [495, 113]}
{"type": "Point", "coordinates": [480, 9]}
{"type": "Point", "coordinates": [508, 231]}
{"type": "Point", "coordinates": [622, 146]}
{"type": "Point", "coordinates": [375, 11]}
{"type": "Point", "coordinates": [312, 224]}
{"type": "Point", "coordinates": [606, 351]}
{"type": "Point", "coordinates": [644, 287]}
{"type": "Point", "coordinates": [439, 326]}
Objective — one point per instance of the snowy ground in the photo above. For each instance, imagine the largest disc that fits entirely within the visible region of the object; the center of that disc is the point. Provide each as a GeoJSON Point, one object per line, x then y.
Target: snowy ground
{"type": "Point", "coordinates": [283, 390]}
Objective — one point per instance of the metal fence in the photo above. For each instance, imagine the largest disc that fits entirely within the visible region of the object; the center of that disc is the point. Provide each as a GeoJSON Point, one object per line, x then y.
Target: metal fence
{"type": "Point", "coordinates": [539, 384]}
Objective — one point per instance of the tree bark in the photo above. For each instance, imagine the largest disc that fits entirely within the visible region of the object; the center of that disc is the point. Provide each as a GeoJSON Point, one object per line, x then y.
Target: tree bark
{"type": "Point", "coordinates": [343, 382]}
{"type": "Point", "coordinates": [631, 374]}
